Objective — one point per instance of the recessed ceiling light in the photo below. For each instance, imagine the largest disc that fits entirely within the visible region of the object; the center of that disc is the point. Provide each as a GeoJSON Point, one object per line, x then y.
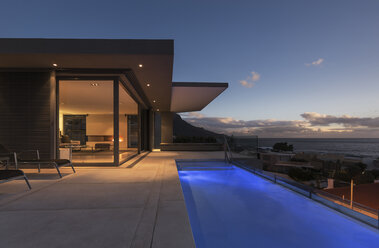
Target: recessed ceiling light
{"type": "Point", "coordinates": [94, 84]}
{"type": "Point", "coordinates": [154, 101]}
{"type": "Point", "coordinates": [148, 85]}
{"type": "Point", "coordinates": [55, 65]}
{"type": "Point", "coordinates": [140, 65]}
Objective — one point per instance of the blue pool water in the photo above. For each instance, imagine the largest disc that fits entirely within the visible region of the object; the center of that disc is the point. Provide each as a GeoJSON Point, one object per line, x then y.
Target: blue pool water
{"type": "Point", "coordinates": [230, 207]}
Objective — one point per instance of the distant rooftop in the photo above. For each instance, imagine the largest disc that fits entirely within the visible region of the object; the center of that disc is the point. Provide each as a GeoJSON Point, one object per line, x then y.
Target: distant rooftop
{"type": "Point", "coordinates": [366, 194]}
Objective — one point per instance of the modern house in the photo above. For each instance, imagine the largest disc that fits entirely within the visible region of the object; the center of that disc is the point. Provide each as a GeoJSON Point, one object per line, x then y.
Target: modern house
{"type": "Point", "coordinates": [105, 100]}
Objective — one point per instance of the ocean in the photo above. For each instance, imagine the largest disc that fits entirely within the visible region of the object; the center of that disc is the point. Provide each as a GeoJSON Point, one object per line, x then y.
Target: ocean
{"type": "Point", "coordinates": [364, 148]}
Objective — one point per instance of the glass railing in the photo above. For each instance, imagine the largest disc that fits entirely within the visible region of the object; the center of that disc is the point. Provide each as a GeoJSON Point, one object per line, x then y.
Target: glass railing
{"type": "Point", "coordinates": [243, 152]}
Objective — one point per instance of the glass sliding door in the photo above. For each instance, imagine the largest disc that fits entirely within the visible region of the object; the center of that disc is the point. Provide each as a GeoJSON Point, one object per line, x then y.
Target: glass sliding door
{"type": "Point", "coordinates": [86, 121]}
{"type": "Point", "coordinates": [128, 125]}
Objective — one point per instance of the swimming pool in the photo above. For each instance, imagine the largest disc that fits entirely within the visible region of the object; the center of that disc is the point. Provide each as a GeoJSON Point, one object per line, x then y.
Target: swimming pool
{"type": "Point", "coordinates": [230, 207]}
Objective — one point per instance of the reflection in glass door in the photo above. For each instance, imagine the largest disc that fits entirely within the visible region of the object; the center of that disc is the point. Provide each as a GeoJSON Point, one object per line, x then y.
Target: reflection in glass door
{"type": "Point", "coordinates": [128, 125]}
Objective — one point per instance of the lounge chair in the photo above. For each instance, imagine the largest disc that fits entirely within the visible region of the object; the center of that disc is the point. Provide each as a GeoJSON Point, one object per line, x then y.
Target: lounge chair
{"type": "Point", "coordinates": [17, 159]}
{"type": "Point", "coordinates": [9, 175]}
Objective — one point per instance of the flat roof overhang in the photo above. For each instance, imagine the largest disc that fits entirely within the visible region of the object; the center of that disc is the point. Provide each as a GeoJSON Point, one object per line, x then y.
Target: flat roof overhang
{"type": "Point", "coordinates": [188, 97]}
{"type": "Point", "coordinates": [156, 56]}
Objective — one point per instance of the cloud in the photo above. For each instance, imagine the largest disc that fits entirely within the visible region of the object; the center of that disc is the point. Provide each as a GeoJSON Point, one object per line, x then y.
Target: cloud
{"type": "Point", "coordinates": [255, 76]}
{"type": "Point", "coordinates": [312, 125]}
{"type": "Point", "coordinates": [269, 127]}
{"type": "Point", "coordinates": [316, 119]}
{"type": "Point", "coordinates": [316, 62]}
{"type": "Point", "coordinates": [250, 80]}
{"type": "Point", "coordinates": [246, 84]}
{"type": "Point", "coordinates": [192, 114]}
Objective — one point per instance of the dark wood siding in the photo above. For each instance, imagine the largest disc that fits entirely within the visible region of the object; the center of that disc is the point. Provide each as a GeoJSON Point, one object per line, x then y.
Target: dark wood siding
{"type": "Point", "coordinates": [25, 111]}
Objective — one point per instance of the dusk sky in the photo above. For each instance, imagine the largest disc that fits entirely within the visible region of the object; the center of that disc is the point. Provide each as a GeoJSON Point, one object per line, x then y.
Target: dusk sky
{"type": "Point", "coordinates": [295, 68]}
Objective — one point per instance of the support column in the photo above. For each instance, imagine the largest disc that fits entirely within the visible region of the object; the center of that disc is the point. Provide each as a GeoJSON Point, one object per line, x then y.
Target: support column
{"type": "Point", "coordinates": [151, 125]}
{"type": "Point", "coordinates": [116, 123]}
{"type": "Point", "coordinates": [139, 128]}
{"type": "Point", "coordinates": [166, 127]}
{"type": "Point", "coordinates": [54, 119]}
{"type": "Point", "coordinates": [157, 130]}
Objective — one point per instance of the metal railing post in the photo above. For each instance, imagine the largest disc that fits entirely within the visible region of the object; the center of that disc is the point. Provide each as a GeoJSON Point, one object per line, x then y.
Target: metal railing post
{"type": "Point", "coordinates": [15, 160]}
{"type": "Point", "coordinates": [39, 165]}
{"type": "Point", "coordinates": [225, 153]}
{"type": "Point", "coordinates": [351, 193]}
{"type": "Point", "coordinates": [228, 155]}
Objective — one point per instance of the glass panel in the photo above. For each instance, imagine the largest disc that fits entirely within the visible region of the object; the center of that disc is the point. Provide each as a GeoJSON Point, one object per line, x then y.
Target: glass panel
{"type": "Point", "coordinates": [86, 121]}
{"type": "Point", "coordinates": [128, 125]}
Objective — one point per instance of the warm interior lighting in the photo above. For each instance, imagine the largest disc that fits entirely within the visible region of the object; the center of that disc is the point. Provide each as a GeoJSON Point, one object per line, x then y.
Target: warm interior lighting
{"type": "Point", "coordinates": [154, 101]}
{"type": "Point", "coordinates": [55, 65]}
{"type": "Point", "coordinates": [140, 65]}
{"type": "Point", "coordinates": [148, 85]}
{"type": "Point", "coordinates": [88, 109]}
{"type": "Point", "coordinates": [157, 110]}
{"type": "Point", "coordinates": [120, 139]}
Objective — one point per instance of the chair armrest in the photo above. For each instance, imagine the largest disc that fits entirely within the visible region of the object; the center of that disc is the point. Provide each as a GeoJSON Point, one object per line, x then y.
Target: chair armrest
{"type": "Point", "coordinates": [12, 157]}
{"type": "Point", "coordinates": [8, 154]}
{"type": "Point", "coordinates": [4, 159]}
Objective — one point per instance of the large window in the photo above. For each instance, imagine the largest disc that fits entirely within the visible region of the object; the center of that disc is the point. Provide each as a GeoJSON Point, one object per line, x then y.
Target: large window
{"type": "Point", "coordinates": [86, 121]}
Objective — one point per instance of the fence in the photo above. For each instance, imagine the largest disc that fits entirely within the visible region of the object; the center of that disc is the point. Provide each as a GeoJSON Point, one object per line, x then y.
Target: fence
{"type": "Point", "coordinates": [244, 155]}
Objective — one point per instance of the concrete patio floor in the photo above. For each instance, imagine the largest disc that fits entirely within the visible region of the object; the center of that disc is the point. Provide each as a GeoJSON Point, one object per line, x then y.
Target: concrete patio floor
{"type": "Point", "coordinates": [142, 206]}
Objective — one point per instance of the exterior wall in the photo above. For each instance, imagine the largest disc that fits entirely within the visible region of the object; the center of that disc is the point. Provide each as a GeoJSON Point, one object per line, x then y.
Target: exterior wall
{"type": "Point", "coordinates": [26, 118]}
{"type": "Point", "coordinates": [166, 127]}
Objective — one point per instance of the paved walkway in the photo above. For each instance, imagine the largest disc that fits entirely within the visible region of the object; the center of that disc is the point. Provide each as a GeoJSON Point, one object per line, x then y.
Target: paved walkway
{"type": "Point", "coordinates": [142, 206]}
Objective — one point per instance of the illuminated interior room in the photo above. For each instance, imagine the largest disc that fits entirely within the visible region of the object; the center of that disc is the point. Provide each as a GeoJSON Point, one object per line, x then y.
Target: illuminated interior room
{"type": "Point", "coordinates": [86, 121]}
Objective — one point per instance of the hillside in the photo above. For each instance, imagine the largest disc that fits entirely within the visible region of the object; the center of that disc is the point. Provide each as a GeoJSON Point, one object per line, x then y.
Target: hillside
{"type": "Point", "coordinates": [183, 128]}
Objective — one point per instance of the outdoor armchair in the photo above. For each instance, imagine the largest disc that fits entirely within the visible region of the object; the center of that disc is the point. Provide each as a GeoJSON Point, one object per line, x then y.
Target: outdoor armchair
{"type": "Point", "coordinates": [18, 159]}
{"type": "Point", "coordinates": [9, 175]}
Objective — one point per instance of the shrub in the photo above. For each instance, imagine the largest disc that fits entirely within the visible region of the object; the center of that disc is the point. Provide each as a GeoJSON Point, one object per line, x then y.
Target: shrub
{"type": "Point", "coordinates": [300, 175]}
{"type": "Point", "coordinates": [349, 173]}
{"type": "Point", "coordinates": [342, 176]}
{"type": "Point", "coordinates": [283, 146]}
{"type": "Point", "coordinates": [362, 166]}
{"type": "Point", "coordinates": [375, 173]}
{"type": "Point", "coordinates": [366, 177]}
